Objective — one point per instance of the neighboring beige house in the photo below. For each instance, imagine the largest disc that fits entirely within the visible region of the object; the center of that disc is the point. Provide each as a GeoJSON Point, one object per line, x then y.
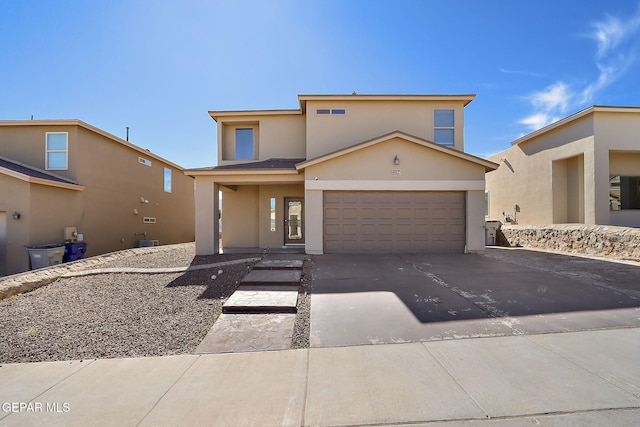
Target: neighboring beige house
{"type": "Point", "coordinates": [66, 173]}
{"type": "Point", "coordinates": [344, 173]}
{"type": "Point", "coordinates": [582, 169]}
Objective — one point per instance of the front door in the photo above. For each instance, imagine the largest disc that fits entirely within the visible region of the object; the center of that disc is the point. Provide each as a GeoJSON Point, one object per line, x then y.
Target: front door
{"type": "Point", "coordinates": [293, 220]}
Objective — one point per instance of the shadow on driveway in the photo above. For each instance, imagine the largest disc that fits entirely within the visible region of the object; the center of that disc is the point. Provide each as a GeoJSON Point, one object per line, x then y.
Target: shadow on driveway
{"type": "Point", "coordinates": [362, 299]}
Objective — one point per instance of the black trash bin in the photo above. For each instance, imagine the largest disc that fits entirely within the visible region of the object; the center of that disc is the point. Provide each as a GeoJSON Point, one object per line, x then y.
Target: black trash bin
{"type": "Point", "coordinates": [74, 251]}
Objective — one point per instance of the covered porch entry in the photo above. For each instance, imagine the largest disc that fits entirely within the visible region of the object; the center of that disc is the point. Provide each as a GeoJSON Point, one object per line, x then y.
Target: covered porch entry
{"type": "Point", "coordinates": [249, 207]}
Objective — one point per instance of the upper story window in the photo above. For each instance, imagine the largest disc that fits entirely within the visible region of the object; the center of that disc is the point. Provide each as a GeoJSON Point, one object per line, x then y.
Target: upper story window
{"type": "Point", "coordinates": [167, 180]}
{"type": "Point", "coordinates": [444, 127]}
{"type": "Point", "coordinates": [624, 192]}
{"type": "Point", "coordinates": [244, 144]}
{"type": "Point", "coordinates": [57, 150]}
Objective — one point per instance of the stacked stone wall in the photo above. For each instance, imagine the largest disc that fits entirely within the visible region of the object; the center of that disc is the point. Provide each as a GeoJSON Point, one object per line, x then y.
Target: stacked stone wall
{"type": "Point", "coordinates": [596, 240]}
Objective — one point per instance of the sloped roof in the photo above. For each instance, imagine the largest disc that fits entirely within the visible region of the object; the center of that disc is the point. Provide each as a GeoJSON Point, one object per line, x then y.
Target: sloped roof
{"type": "Point", "coordinates": [265, 164]}
{"type": "Point", "coordinates": [488, 165]}
{"type": "Point", "coordinates": [269, 166]}
{"type": "Point", "coordinates": [35, 175]}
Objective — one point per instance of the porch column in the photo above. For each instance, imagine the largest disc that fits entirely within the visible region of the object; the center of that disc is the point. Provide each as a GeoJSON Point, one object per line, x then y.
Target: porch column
{"type": "Point", "coordinates": [207, 215]}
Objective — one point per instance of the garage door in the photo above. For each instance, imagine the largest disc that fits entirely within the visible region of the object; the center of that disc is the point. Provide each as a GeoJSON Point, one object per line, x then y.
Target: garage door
{"type": "Point", "coordinates": [385, 221]}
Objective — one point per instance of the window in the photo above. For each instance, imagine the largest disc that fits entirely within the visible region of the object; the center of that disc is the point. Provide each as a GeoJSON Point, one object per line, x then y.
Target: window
{"type": "Point", "coordinates": [144, 161]}
{"type": "Point", "coordinates": [167, 180]}
{"type": "Point", "coordinates": [324, 111]}
{"type": "Point", "coordinates": [444, 127]}
{"type": "Point", "coordinates": [486, 203]}
{"type": "Point", "coordinates": [57, 151]}
{"type": "Point", "coordinates": [244, 144]}
{"type": "Point", "coordinates": [624, 192]}
{"type": "Point", "coordinates": [272, 206]}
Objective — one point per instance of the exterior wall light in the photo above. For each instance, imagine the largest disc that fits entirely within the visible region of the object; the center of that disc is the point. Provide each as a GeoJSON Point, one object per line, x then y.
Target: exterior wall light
{"type": "Point", "coordinates": [16, 215]}
{"type": "Point", "coordinates": [396, 160]}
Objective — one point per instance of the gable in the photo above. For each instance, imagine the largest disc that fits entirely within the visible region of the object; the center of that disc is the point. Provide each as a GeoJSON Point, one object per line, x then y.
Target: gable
{"type": "Point", "coordinates": [376, 162]}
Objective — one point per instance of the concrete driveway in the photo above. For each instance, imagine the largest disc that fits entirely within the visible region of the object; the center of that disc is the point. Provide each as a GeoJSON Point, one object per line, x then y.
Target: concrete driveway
{"type": "Point", "coordinates": [370, 299]}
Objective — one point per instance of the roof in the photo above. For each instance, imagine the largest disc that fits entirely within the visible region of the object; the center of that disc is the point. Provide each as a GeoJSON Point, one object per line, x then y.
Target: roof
{"type": "Point", "coordinates": [488, 165]}
{"type": "Point", "coordinates": [269, 164]}
{"type": "Point", "coordinates": [277, 166]}
{"type": "Point", "coordinates": [80, 123]}
{"type": "Point", "coordinates": [35, 175]}
{"type": "Point", "coordinates": [574, 117]}
{"type": "Point", "coordinates": [302, 99]}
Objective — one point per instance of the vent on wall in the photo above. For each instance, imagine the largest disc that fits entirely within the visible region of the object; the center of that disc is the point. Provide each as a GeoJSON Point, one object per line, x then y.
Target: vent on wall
{"type": "Point", "coordinates": [148, 220]}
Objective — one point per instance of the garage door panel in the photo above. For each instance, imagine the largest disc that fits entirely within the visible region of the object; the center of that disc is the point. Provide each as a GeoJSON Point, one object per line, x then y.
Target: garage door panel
{"type": "Point", "coordinates": [369, 221]}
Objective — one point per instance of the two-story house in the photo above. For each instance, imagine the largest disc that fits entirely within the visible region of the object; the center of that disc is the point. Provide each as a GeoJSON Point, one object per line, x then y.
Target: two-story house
{"type": "Point", "coordinates": [344, 173]}
{"type": "Point", "coordinates": [57, 175]}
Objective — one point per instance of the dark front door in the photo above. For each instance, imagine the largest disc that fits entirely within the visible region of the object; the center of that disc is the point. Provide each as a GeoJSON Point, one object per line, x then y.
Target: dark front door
{"type": "Point", "coordinates": [293, 220]}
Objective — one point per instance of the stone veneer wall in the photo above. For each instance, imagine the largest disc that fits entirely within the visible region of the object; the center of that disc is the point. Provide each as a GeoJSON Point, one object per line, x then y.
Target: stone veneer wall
{"type": "Point", "coordinates": [597, 240]}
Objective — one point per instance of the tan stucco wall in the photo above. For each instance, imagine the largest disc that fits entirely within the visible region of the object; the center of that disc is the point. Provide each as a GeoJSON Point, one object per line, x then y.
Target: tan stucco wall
{"type": "Point", "coordinates": [614, 131]}
{"type": "Point", "coordinates": [114, 184]}
{"type": "Point", "coordinates": [240, 217]}
{"type": "Point", "coordinates": [275, 136]}
{"type": "Point", "coordinates": [475, 221]}
{"type": "Point", "coordinates": [365, 120]}
{"type": "Point", "coordinates": [525, 175]}
{"type": "Point", "coordinates": [268, 238]}
{"type": "Point", "coordinates": [14, 197]}
{"type": "Point", "coordinates": [376, 162]}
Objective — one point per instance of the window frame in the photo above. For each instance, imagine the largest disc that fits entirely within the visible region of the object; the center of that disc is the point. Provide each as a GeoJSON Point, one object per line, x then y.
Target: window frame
{"type": "Point", "coordinates": [49, 151]}
{"type": "Point", "coordinates": [487, 203]}
{"type": "Point", "coordinates": [620, 189]}
{"type": "Point", "coordinates": [451, 128]}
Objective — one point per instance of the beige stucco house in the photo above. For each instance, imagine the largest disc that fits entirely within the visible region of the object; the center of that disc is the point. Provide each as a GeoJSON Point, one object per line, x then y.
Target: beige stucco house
{"type": "Point", "coordinates": [56, 174]}
{"type": "Point", "coordinates": [584, 169]}
{"type": "Point", "coordinates": [344, 173]}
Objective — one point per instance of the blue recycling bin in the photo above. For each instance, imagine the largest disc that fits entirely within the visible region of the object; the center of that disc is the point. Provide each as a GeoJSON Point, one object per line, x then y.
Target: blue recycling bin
{"type": "Point", "coordinates": [74, 251]}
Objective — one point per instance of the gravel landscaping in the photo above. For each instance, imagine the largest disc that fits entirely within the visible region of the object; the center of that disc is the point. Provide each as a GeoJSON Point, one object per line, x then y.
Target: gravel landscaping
{"type": "Point", "coordinates": [129, 315]}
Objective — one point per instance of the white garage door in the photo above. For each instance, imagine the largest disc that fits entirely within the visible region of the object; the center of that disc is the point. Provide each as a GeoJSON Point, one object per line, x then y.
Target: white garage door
{"type": "Point", "coordinates": [387, 221]}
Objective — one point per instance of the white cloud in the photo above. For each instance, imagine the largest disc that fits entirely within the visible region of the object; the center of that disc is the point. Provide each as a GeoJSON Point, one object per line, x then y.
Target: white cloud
{"type": "Point", "coordinates": [550, 103]}
{"type": "Point", "coordinates": [616, 47]}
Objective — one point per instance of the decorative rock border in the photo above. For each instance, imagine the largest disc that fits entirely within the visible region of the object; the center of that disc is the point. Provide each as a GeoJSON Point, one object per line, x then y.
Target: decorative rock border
{"type": "Point", "coordinates": [596, 240]}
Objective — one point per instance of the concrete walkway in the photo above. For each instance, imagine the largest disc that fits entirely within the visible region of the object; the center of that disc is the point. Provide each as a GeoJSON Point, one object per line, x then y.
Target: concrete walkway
{"type": "Point", "coordinates": [577, 378]}
{"type": "Point", "coordinates": [260, 315]}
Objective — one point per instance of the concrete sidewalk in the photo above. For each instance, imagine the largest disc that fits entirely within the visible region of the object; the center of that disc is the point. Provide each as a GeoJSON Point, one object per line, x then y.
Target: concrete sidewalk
{"type": "Point", "coordinates": [576, 378]}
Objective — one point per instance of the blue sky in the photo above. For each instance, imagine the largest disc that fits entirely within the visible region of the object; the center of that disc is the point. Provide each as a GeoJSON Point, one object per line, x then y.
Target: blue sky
{"type": "Point", "coordinates": [159, 66]}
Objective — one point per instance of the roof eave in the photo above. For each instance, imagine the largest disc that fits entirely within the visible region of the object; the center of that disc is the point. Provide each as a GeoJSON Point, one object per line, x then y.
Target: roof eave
{"type": "Point", "coordinates": [214, 172]}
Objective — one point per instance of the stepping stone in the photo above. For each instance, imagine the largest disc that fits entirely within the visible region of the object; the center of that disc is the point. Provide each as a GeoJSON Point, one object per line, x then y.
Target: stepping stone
{"type": "Point", "coordinates": [260, 299]}
{"type": "Point", "coordinates": [235, 333]}
{"type": "Point", "coordinates": [279, 264]}
{"type": "Point", "coordinates": [272, 277]}
{"type": "Point", "coordinates": [286, 256]}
